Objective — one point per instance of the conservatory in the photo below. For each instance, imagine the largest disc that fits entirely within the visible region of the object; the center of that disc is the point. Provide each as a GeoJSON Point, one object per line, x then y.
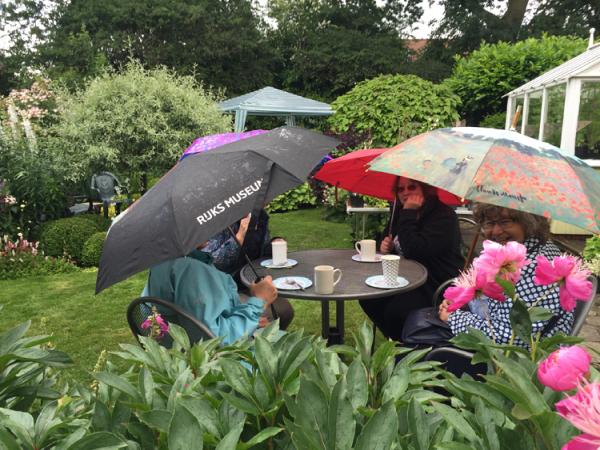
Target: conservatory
{"type": "Point", "coordinates": [562, 106]}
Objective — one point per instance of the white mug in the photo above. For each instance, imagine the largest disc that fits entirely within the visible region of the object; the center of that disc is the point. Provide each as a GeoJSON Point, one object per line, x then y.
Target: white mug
{"type": "Point", "coordinates": [279, 252]}
{"type": "Point", "coordinates": [366, 249]}
{"type": "Point", "coordinates": [325, 279]}
{"type": "Point", "coordinates": [391, 267]}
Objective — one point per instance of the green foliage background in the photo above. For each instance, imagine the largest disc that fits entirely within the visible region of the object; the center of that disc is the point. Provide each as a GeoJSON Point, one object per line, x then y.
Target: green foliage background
{"type": "Point", "coordinates": [483, 77]}
{"type": "Point", "coordinates": [134, 122]}
{"type": "Point", "coordinates": [392, 108]}
{"type": "Point", "coordinates": [67, 236]}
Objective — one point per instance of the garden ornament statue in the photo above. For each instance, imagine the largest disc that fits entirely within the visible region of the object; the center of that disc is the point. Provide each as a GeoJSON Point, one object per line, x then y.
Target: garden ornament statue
{"type": "Point", "coordinates": [105, 183]}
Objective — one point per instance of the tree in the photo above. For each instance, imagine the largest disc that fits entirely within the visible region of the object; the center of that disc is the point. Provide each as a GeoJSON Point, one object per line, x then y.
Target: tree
{"type": "Point", "coordinates": [218, 41]}
{"type": "Point", "coordinates": [392, 108]}
{"type": "Point", "coordinates": [327, 46]}
{"type": "Point", "coordinates": [468, 23]}
{"type": "Point", "coordinates": [137, 122]}
{"type": "Point", "coordinates": [483, 77]}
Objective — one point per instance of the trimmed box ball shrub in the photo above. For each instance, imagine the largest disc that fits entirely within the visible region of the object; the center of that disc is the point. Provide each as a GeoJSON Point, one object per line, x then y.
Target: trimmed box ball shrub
{"type": "Point", "coordinates": [101, 222]}
{"type": "Point", "coordinates": [67, 236]}
{"type": "Point", "coordinates": [92, 249]}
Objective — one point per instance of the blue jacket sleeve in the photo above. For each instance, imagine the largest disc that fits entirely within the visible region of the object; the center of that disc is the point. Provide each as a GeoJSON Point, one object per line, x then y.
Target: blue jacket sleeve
{"type": "Point", "coordinates": [212, 297]}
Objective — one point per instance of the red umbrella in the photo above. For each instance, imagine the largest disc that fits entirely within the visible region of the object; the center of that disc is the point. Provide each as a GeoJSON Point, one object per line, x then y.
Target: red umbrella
{"type": "Point", "coordinates": [350, 172]}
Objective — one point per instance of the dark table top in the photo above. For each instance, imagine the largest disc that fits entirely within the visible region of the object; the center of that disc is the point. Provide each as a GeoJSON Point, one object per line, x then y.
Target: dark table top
{"type": "Point", "coordinates": [352, 285]}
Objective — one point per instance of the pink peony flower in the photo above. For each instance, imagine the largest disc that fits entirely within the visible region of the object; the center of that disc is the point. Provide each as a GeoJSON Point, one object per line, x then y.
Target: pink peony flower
{"type": "Point", "coordinates": [500, 260]}
{"type": "Point", "coordinates": [564, 368]}
{"type": "Point", "coordinates": [469, 285]}
{"type": "Point", "coordinates": [582, 442]}
{"type": "Point", "coordinates": [571, 276]}
{"type": "Point", "coordinates": [583, 411]}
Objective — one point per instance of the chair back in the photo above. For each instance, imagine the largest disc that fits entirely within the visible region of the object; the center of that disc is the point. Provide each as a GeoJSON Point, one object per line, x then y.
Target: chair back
{"type": "Point", "coordinates": [140, 308]}
{"type": "Point", "coordinates": [471, 245]}
{"type": "Point", "coordinates": [583, 308]}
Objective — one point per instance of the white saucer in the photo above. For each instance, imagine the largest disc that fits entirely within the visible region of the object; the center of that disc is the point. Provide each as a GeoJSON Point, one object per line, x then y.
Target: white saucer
{"type": "Point", "coordinates": [292, 283]}
{"type": "Point", "coordinates": [377, 281]}
{"type": "Point", "coordinates": [358, 258]}
{"type": "Point", "coordinates": [268, 263]}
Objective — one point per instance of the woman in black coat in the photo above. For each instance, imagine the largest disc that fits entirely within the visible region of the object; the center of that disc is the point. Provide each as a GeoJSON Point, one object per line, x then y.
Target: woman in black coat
{"type": "Point", "coordinates": [427, 231]}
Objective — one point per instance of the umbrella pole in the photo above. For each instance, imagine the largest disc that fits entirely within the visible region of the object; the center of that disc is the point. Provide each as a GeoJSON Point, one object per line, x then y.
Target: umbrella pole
{"type": "Point", "coordinates": [258, 277]}
{"type": "Point", "coordinates": [392, 216]}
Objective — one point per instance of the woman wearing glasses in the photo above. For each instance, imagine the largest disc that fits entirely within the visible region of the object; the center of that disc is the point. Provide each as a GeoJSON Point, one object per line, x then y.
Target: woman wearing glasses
{"type": "Point", "coordinates": [423, 229]}
{"type": "Point", "coordinates": [502, 225]}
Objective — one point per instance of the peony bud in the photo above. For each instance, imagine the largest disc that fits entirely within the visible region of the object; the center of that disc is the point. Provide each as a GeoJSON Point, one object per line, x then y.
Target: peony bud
{"type": "Point", "coordinates": [564, 368]}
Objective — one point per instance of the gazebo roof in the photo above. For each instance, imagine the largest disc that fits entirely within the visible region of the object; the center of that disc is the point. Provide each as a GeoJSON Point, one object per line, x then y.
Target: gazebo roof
{"type": "Point", "coordinates": [270, 101]}
{"type": "Point", "coordinates": [586, 64]}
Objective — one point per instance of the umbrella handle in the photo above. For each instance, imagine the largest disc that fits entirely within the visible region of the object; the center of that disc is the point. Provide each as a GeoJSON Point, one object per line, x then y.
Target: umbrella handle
{"type": "Point", "coordinates": [515, 120]}
{"type": "Point", "coordinates": [257, 276]}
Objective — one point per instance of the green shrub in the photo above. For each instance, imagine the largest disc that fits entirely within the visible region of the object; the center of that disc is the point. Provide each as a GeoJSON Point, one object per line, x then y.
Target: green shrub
{"type": "Point", "coordinates": [592, 248]}
{"type": "Point", "coordinates": [297, 198]}
{"type": "Point", "coordinates": [92, 249]}
{"type": "Point", "coordinates": [392, 108]}
{"type": "Point", "coordinates": [496, 120]}
{"type": "Point", "coordinates": [274, 390]}
{"type": "Point", "coordinates": [481, 78]}
{"type": "Point", "coordinates": [28, 265]}
{"type": "Point", "coordinates": [101, 222]}
{"type": "Point", "coordinates": [67, 237]}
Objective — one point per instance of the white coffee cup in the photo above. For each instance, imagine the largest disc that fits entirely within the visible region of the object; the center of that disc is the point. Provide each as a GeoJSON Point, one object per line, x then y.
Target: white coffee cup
{"type": "Point", "coordinates": [279, 252]}
{"type": "Point", "coordinates": [366, 249]}
{"type": "Point", "coordinates": [391, 267]}
{"type": "Point", "coordinates": [325, 279]}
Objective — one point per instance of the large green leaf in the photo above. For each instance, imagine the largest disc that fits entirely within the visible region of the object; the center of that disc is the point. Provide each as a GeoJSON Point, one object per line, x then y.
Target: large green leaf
{"type": "Point", "coordinates": [520, 321]}
{"type": "Point", "coordinates": [157, 419]}
{"type": "Point", "coordinates": [231, 439]}
{"type": "Point", "coordinates": [357, 386]}
{"type": "Point", "coordinates": [418, 426]}
{"type": "Point", "coordinates": [120, 384]}
{"type": "Point", "coordinates": [101, 440]}
{"type": "Point", "coordinates": [184, 431]}
{"type": "Point", "coordinates": [266, 359]}
{"type": "Point", "coordinates": [262, 436]}
{"type": "Point", "coordinates": [520, 381]}
{"type": "Point", "coordinates": [340, 420]}
{"type": "Point", "coordinates": [456, 421]}
{"type": "Point", "coordinates": [380, 430]}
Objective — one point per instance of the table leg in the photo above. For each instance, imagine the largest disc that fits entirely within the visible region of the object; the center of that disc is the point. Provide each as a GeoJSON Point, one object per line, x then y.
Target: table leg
{"type": "Point", "coordinates": [339, 320]}
{"type": "Point", "coordinates": [325, 319]}
{"type": "Point", "coordinates": [364, 220]}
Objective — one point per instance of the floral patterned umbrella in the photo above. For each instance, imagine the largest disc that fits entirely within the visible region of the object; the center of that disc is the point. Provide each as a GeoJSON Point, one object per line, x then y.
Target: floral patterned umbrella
{"type": "Point", "coordinates": [217, 140]}
{"type": "Point", "coordinates": [503, 168]}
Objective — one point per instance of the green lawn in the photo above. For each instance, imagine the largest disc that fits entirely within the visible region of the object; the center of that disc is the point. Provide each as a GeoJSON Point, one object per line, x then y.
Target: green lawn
{"type": "Point", "coordinates": [84, 324]}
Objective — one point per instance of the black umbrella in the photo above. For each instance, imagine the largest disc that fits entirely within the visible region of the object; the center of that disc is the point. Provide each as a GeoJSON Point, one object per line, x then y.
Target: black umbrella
{"type": "Point", "coordinates": [205, 193]}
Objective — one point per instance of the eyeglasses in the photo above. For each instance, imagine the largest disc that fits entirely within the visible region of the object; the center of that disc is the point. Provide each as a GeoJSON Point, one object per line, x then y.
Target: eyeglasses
{"type": "Point", "coordinates": [410, 188]}
{"type": "Point", "coordinates": [488, 225]}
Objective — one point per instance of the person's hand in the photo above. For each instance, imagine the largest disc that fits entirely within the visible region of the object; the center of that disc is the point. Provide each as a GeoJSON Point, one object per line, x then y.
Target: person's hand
{"type": "Point", "coordinates": [263, 322]}
{"type": "Point", "coordinates": [443, 310]}
{"type": "Point", "coordinates": [241, 234]}
{"type": "Point", "coordinates": [265, 290]}
{"type": "Point", "coordinates": [387, 245]}
{"type": "Point", "coordinates": [413, 201]}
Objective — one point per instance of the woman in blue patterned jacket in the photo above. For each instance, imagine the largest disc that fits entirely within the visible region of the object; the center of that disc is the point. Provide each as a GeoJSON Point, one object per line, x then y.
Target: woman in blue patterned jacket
{"type": "Point", "coordinates": [491, 317]}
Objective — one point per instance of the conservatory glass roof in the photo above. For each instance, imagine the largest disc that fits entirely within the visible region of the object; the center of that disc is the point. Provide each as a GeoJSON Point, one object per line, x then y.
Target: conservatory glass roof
{"type": "Point", "coordinates": [586, 64]}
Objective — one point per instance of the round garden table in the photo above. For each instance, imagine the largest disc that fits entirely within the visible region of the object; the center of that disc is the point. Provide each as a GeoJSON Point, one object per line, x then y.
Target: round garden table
{"type": "Point", "coordinates": [352, 286]}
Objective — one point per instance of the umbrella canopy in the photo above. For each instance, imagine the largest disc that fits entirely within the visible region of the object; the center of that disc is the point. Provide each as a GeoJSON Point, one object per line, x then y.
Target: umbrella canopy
{"type": "Point", "coordinates": [205, 193]}
{"type": "Point", "coordinates": [205, 143]}
{"type": "Point", "coordinates": [351, 172]}
{"type": "Point", "coordinates": [503, 168]}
